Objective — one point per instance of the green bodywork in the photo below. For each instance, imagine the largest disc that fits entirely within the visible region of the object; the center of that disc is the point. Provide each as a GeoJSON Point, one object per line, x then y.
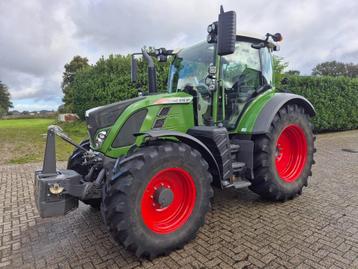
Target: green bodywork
{"type": "Point", "coordinates": [180, 118]}
{"type": "Point", "coordinates": [249, 116]}
{"type": "Point", "coordinates": [181, 114]}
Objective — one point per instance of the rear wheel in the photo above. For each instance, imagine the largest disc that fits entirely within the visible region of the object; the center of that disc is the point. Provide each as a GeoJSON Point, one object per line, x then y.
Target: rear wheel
{"type": "Point", "coordinates": [157, 198]}
{"type": "Point", "coordinates": [283, 157]}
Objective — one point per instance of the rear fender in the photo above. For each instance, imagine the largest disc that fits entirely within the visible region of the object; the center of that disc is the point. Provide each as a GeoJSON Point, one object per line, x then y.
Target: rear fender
{"type": "Point", "coordinates": [271, 108]}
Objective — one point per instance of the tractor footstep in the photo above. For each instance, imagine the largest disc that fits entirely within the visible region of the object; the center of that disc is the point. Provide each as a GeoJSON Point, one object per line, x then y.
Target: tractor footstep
{"type": "Point", "coordinates": [237, 184]}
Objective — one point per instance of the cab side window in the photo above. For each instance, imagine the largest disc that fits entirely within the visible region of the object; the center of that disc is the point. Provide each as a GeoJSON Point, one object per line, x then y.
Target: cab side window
{"type": "Point", "coordinates": [241, 76]}
{"type": "Point", "coordinates": [266, 62]}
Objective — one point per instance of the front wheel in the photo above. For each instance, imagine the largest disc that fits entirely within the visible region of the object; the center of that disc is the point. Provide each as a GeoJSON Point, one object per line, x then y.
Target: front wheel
{"type": "Point", "coordinates": [157, 198]}
{"type": "Point", "coordinates": [75, 162]}
{"type": "Point", "coordinates": [284, 156]}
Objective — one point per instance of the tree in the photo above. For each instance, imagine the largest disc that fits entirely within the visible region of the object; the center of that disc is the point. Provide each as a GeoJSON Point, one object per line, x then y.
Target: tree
{"type": "Point", "coordinates": [335, 69]}
{"type": "Point", "coordinates": [279, 66]}
{"type": "Point", "coordinates": [5, 102]}
{"type": "Point", "coordinates": [109, 81]}
{"type": "Point", "coordinates": [293, 73]}
{"type": "Point", "coordinates": [76, 64]}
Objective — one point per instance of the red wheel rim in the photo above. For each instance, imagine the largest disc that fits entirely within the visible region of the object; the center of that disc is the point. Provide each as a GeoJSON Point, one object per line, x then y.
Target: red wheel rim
{"type": "Point", "coordinates": [291, 153]}
{"type": "Point", "coordinates": [165, 219]}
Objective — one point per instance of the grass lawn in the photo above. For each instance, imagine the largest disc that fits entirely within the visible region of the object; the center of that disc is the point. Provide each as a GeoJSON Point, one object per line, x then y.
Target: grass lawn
{"type": "Point", "coordinates": [22, 140]}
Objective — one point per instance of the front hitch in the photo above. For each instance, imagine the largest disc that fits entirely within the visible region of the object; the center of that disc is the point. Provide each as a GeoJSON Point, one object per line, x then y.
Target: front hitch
{"type": "Point", "coordinates": [57, 191]}
{"type": "Point", "coordinates": [49, 164]}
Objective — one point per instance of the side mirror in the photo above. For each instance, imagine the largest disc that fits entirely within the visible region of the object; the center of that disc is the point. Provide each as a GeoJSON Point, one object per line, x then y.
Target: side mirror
{"type": "Point", "coordinates": [226, 32]}
{"type": "Point", "coordinates": [134, 69]}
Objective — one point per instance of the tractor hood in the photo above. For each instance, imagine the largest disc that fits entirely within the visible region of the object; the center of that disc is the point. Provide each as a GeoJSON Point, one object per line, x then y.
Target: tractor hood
{"type": "Point", "coordinates": [105, 116]}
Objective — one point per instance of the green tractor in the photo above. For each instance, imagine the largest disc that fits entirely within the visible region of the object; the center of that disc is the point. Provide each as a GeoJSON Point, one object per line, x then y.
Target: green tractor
{"type": "Point", "coordinates": [150, 162]}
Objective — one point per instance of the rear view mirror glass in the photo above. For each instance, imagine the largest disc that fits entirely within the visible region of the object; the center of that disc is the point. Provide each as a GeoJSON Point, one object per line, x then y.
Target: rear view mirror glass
{"type": "Point", "coordinates": [226, 32]}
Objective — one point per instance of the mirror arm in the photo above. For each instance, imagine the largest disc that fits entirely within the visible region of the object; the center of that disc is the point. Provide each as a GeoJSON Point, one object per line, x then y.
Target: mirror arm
{"type": "Point", "coordinates": [260, 45]}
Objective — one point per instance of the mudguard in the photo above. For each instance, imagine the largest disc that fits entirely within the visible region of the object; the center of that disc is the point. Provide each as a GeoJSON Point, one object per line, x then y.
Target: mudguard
{"type": "Point", "coordinates": [270, 109]}
{"type": "Point", "coordinates": [191, 141]}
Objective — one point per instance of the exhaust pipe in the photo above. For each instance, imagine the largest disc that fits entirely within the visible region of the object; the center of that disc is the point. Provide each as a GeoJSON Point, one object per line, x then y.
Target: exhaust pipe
{"type": "Point", "coordinates": [152, 77]}
{"type": "Point", "coordinates": [134, 69]}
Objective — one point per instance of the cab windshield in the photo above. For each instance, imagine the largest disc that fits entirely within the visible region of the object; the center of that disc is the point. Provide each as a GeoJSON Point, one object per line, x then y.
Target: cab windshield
{"type": "Point", "coordinates": [190, 67]}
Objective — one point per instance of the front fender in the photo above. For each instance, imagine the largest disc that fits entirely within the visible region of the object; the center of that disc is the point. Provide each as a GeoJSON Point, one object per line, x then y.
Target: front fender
{"type": "Point", "coordinates": [191, 141]}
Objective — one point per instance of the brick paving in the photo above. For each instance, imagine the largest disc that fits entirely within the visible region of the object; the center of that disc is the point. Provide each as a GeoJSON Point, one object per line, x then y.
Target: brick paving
{"type": "Point", "coordinates": [316, 230]}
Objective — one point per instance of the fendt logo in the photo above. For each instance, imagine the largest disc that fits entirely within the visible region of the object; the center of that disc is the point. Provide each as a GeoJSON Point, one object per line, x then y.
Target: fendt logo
{"type": "Point", "coordinates": [174, 100]}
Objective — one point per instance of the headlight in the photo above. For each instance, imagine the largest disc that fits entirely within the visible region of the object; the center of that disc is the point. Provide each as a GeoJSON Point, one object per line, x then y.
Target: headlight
{"type": "Point", "coordinates": [100, 137]}
{"type": "Point", "coordinates": [210, 29]}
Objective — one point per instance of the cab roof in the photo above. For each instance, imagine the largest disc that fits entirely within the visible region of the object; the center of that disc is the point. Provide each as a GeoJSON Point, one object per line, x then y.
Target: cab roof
{"type": "Point", "coordinates": [251, 35]}
{"type": "Point", "coordinates": [241, 35]}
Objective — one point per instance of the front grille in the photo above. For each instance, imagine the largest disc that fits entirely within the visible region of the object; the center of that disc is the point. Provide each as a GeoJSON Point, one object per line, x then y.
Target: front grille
{"type": "Point", "coordinates": [164, 111]}
{"type": "Point", "coordinates": [159, 123]}
{"type": "Point", "coordinates": [126, 137]}
{"type": "Point", "coordinates": [106, 116]}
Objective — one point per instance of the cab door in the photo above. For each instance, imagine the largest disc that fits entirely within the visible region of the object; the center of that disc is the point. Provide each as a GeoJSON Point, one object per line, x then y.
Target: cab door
{"type": "Point", "coordinates": [242, 73]}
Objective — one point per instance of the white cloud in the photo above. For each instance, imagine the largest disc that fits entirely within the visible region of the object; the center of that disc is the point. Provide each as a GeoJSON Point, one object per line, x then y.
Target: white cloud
{"type": "Point", "coordinates": [35, 43]}
{"type": "Point", "coordinates": [34, 107]}
{"type": "Point", "coordinates": [37, 37]}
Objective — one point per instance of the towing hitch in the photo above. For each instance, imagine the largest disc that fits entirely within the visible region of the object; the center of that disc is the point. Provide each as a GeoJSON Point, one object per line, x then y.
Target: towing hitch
{"type": "Point", "coordinates": [57, 191]}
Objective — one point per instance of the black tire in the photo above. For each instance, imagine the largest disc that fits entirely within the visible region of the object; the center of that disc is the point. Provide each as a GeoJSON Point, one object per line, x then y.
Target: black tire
{"type": "Point", "coordinates": [94, 203]}
{"type": "Point", "coordinates": [270, 181]}
{"type": "Point", "coordinates": [75, 163]}
{"type": "Point", "coordinates": [122, 198]}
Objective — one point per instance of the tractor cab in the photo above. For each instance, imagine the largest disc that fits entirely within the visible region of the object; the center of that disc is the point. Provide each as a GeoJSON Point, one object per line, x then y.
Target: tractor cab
{"type": "Point", "coordinates": [237, 78]}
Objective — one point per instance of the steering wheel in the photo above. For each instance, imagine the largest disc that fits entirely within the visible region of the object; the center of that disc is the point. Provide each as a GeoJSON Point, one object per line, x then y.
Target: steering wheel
{"type": "Point", "coordinates": [201, 89]}
{"type": "Point", "coordinates": [240, 82]}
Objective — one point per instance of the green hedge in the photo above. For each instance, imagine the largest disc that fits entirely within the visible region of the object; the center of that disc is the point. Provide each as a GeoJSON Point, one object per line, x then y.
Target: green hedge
{"type": "Point", "coordinates": [109, 81]}
{"type": "Point", "coordinates": [334, 98]}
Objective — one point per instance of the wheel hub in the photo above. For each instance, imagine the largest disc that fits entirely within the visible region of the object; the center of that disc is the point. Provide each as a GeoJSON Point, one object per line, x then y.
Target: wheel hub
{"type": "Point", "coordinates": [163, 197]}
{"type": "Point", "coordinates": [168, 200]}
{"type": "Point", "coordinates": [291, 153]}
{"type": "Point", "coordinates": [278, 152]}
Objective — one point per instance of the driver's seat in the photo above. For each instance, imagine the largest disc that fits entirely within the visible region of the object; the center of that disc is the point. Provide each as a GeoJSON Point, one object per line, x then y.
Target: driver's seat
{"type": "Point", "coordinates": [242, 90]}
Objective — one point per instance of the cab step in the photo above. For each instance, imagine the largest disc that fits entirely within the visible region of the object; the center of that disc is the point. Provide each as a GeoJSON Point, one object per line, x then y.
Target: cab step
{"type": "Point", "coordinates": [234, 148]}
{"type": "Point", "coordinates": [238, 184]}
{"type": "Point", "coordinates": [238, 167]}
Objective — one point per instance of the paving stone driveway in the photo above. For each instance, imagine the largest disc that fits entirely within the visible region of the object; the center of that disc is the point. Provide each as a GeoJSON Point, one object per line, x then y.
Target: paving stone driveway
{"type": "Point", "coordinates": [316, 230]}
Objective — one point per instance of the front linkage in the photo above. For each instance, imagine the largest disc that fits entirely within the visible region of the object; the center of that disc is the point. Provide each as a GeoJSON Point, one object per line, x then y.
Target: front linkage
{"type": "Point", "coordinates": [57, 191]}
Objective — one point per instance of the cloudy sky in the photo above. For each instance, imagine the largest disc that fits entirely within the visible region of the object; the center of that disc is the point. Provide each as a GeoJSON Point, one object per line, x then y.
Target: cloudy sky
{"type": "Point", "coordinates": [37, 37]}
